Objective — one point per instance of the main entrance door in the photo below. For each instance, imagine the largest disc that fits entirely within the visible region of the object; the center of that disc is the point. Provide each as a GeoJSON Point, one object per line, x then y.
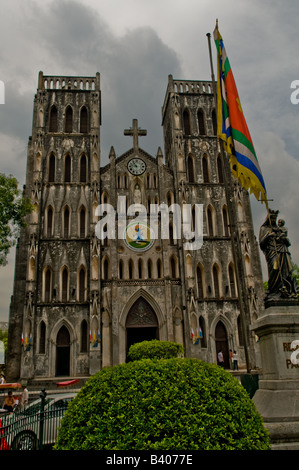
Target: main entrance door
{"type": "Point", "coordinates": [141, 323]}
{"type": "Point", "coordinates": [63, 352]}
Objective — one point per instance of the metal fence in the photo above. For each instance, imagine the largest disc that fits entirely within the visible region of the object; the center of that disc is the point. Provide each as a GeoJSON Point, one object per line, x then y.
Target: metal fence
{"type": "Point", "coordinates": [35, 427]}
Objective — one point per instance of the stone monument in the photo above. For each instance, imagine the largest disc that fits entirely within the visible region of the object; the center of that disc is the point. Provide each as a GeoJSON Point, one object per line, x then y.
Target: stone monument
{"type": "Point", "coordinates": [277, 398]}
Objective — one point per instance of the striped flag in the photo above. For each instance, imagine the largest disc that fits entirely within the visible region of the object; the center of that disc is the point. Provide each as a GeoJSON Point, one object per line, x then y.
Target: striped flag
{"type": "Point", "coordinates": [232, 127]}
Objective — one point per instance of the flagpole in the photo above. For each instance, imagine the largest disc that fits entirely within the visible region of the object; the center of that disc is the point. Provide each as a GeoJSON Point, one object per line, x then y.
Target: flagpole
{"type": "Point", "coordinates": [232, 215]}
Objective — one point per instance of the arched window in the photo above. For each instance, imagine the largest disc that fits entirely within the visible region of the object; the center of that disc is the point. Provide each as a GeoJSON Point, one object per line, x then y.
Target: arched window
{"type": "Point", "coordinates": [50, 222]}
{"type": "Point", "coordinates": [83, 121]}
{"type": "Point", "coordinates": [190, 169]}
{"type": "Point", "coordinates": [42, 338]}
{"type": "Point", "coordinates": [172, 268]}
{"type": "Point", "coordinates": [83, 348]}
{"type": "Point", "coordinates": [140, 269]}
{"type": "Point", "coordinates": [216, 282]}
{"type": "Point", "coordinates": [201, 123]}
{"type": "Point", "coordinates": [52, 168]}
{"type": "Point", "coordinates": [210, 222]}
{"type": "Point", "coordinates": [199, 283]}
{"type": "Point", "coordinates": [48, 285]}
{"type": "Point", "coordinates": [214, 122]}
{"type": "Point", "coordinates": [121, 269]}
{"type": "Point", "coordinates": [66, 222]}
{"type": "Point", "coordinates": [131, 268]}
{"type": "Point", "coordinates": [106, 269]}
{"type": "Point", "coordinates": [82, 223]}
{"type": "Point", "coordinates": [53, 119]}
{"type": "Point", "coordinates": [69, 120]}
{"type": "Point", "coordinates": [159, 269]}
{"type": "Point", "coordinates": [64, 285]}
{"type": "Point", "coordinates": [81, 286]}
{"type": "Point", "coordinates": [83, 169]}
{"type": "Point", "coordinates": [186, 122]}
{"type": "Point", "coordinates": [149, 269]}
{"type": "Point", "coordinates": [205, 169]}
{"type": "Point", "coordinates": [67, 169]}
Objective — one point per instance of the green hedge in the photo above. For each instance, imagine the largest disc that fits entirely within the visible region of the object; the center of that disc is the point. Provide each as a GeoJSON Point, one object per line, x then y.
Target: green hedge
{"type": "Point", "coordinates": [155, 349]}
{"type": "Point", "coordinates": [167, 404]}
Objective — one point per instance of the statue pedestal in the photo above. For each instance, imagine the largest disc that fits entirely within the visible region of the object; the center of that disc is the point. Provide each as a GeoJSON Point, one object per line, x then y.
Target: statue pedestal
{"type": "Point", "coordinates": [277, 398]}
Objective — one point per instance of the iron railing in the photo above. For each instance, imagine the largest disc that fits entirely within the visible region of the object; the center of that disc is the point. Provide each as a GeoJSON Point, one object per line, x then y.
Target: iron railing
{"type": "Point", "coordinates": [34, 427]}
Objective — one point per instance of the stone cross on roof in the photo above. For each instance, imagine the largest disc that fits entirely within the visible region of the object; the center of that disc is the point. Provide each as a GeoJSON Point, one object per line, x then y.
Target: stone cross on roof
{"type": "Point", "coordinates": [135, 131]}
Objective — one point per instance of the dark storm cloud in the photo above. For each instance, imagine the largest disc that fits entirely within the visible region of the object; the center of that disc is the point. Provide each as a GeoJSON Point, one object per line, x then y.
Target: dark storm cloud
{"type": "Point", "coordinates": [68, 38]}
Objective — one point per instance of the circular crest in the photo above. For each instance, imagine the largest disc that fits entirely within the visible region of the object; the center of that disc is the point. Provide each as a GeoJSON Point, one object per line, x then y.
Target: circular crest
{"type": "Point", "coordinates": [139, 236]}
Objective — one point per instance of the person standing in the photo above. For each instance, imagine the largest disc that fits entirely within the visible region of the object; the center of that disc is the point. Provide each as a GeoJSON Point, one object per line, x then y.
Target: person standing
{"type": "Point", "coordinates": [24, 397]}
{"type": "Point", "coordinates": [235, 361]}
{"type": "Point", "coordinates": [9, 402]}
{"type": "Point", "coordinates": [220, 358]}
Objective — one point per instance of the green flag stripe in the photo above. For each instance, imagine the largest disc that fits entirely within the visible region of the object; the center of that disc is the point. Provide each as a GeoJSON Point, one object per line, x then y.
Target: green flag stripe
{"type": "Point", "coordinates": [240, 137]}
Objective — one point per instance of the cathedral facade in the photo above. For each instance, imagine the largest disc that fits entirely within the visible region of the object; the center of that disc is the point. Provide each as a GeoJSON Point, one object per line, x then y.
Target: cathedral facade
{"type": "Point", "coordinates": [145, 247]}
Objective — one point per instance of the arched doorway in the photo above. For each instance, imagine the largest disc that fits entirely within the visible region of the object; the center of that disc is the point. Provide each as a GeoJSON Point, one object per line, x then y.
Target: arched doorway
{"type": "Point", "coordinates": [141, 323]}
{"type": "Point", "coordinates": [222, 343]}
{"type": "Point", "coordinates": [63, 345]}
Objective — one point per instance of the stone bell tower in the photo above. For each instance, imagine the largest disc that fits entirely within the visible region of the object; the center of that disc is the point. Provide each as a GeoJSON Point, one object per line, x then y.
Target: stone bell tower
{"type": "Point", "coordinates": [55, 300]}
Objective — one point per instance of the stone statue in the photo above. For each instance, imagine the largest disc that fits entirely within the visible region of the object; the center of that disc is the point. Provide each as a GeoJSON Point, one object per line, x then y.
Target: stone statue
{"type": "Point", "coordinates": [275, 245]}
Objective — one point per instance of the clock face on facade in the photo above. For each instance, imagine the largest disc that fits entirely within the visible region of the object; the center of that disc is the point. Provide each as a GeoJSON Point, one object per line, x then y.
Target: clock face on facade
{"type": "Point", "coordinates": [136, 166]}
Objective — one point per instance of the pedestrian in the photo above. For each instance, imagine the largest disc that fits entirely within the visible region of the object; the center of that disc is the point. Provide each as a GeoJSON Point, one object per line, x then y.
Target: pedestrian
{"type": "Point", "coordinates": [2, 379]}
{"type": "Point", "coordinates": [9, 402]}
{"type": "Point", "coordinates": [235, 361]}
{"type": "Point", "coordinates": [230, 358]}
{"type": "Point", "coordinates": [24, 397]}
{"type": "Point", "coordinates": [220, 358]}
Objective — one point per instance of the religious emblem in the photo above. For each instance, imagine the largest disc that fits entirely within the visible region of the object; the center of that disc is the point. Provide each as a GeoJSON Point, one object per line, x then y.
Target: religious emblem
{"type": "Point", "coordinates": [139, 236]}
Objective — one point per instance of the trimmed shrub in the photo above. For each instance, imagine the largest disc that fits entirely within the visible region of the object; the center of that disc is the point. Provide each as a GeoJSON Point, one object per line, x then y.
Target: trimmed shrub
{"type": "Point", "coordinates": [155, 349]}
{"type": "Point", "coordinates": [167, 404]}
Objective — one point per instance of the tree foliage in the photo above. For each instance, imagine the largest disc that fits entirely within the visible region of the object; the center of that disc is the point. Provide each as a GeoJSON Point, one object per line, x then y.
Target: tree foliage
{"type": "Point", "coordinates": [155, 349]}
{"type": "Point", "coordinates": [13, 209]}
{"type": "Point", "coordinates": [164, 404]}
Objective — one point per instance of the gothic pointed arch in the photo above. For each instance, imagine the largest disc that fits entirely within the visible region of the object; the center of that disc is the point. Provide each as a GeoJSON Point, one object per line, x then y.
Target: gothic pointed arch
{"type": "Point", "coordinates": [201, 122]}
{"type": "Point", "coordinates": [211, 221]}
{"type": "Point", "coordinates": [83, 120]}
{"type": "Point", "coordinates": [66, 221]}
{"type": "Point", "coordinates": [82, 283]}
{"type": "Point", "coordinates": [64, 283]}
{"type": "Point", "coordinates": [83, 336]}
{"type": "Point", "coordinates": [67, 168]}
{"type": "Point", "coordinates": [187, 121]}
{"type": "Point", "coordinates": [62, 339]}
{"type": "Point", "coordinates": [53, 121]}
{"type": "Point", "coordinates": [68, 125]}
{"type": "Point", "coordinates": [47, 284]}
{"type": "Point", "coordinates": [42, 337]}
{"type": "Point", "coordinates": [205, 169]}
{"type": "Point", "coordinates": [141, 314]}
{"type": "Point", "coordinates": [51, 167]}
{"type": "Point", "coordinates": [83, 168]}
{"type": "Point", "coordinates": [216, 281]}
{"type": "Point", "coordinates": [151, 301]}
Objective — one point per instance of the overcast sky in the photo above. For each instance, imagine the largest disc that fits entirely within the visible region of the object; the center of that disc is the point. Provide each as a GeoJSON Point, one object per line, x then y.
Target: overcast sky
{"type": "Point", "coordinates": [135, 45]}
